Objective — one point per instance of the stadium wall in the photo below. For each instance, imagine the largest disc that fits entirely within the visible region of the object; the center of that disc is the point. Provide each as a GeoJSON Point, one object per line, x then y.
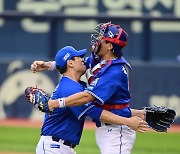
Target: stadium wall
{"type": "Point", "coordinates": [35, 29]}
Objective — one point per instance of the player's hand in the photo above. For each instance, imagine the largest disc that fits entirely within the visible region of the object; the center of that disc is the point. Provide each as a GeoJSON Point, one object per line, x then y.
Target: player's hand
{"type": "Point", "coordinates": [39, 66]}
{"type": "Point", "coordinates": [141, 114]}
{"type": "Point", "coordinates": [52, 104]}
{"type": "Point", "coordinates": [137, 124]}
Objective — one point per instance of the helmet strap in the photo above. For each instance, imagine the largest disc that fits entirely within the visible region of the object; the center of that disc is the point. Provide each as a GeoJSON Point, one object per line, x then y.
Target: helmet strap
{"type": "Point", "coordinates": [115, 41]}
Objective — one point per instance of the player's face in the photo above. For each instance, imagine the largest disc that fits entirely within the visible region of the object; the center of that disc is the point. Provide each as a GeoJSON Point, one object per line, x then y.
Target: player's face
{"type": "Point", "coordinates": [79, 65]}
{"type": "Point", "coordinates": [103, 49]}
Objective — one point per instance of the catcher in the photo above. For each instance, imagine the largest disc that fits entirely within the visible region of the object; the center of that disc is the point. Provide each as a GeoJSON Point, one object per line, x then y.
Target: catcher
{"type": "Point", "coordinates": [108, 89]}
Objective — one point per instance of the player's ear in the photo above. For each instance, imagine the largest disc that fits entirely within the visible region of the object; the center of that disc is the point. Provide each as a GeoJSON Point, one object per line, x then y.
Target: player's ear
{"type": "Point", "coordinates": [70, 63]}
{"type": "Point", "coordinates": [110, 46]}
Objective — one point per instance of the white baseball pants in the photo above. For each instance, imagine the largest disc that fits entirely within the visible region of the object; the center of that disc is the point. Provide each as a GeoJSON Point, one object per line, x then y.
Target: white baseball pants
{"type": "Point", "coordinates": [115, 139]}
{"type": "Point", "coordinates": [47, 146]}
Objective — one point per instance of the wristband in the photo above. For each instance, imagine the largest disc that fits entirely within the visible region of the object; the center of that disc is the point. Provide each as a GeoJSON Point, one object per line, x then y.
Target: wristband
{"type": "Point", "coordinates": [62, 102]}
{"type": "Point", "coordinates": [52, 66]}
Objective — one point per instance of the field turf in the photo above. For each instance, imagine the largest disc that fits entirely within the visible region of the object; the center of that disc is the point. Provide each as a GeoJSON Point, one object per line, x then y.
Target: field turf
{"type": "Point", "coordinates": [23, 140]}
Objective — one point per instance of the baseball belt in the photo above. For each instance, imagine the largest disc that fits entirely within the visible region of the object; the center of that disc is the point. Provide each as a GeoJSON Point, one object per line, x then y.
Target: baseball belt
{"type": "Point", "coordinates": [112, 106]}
{"type": "Point", "coordinates": [54, 138]}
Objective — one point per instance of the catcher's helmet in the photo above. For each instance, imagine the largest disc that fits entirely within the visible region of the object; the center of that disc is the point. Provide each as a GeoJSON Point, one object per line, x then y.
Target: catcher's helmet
{"type": "Point", "coordinates": [111, 33]}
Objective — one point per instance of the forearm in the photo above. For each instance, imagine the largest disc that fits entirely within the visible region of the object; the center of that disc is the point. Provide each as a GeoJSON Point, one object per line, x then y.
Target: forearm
{"type": "Point", "coordinates": [78, 99]}
{"type": "Point", "coordinates": [73, 100]}
{"type": "Point", "coordinates": [50, 65]}
{"type": "Point", "coordinates": [111, 118]}
{"type": "Point", "coordinates": [39, 66]}
{"type": "Point", "coordinates": [139, 113]}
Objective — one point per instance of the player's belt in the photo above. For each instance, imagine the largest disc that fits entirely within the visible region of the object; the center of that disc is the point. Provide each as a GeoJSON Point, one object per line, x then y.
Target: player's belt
{"type": "Point", "coordinates": [54, 138]}
{"type": "Point", "coordinates": [112, 106]}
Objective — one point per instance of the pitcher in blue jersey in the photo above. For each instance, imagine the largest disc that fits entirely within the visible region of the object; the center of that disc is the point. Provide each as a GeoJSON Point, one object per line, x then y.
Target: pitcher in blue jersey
{"type": "Point", "coordinates": [61, 130]}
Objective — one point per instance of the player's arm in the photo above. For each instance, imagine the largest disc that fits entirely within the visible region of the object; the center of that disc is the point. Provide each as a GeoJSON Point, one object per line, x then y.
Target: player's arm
{"type": "Point", "coordinates": [135, 122]}
{"type": "Point", "coordinates": [39, 66]}
{"type": "Point", "coordinates": [98, 114]}
{"type": "Point", "coordinates": [73, 100]}
{"type": "Point", "coordinates": [89, 95]}
{"type": "Point", "coordinates": [105, 116]}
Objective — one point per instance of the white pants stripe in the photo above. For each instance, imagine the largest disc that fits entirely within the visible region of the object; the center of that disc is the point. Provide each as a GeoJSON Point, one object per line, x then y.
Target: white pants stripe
{"type": "Point", "coordinates": [115, 139]}
{"type": "Point", "coordinates": [120, 139]}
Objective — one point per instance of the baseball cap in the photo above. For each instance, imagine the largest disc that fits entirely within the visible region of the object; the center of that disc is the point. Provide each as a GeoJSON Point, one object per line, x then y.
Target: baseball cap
{"type": "Point", "coordinates": [66, 53]}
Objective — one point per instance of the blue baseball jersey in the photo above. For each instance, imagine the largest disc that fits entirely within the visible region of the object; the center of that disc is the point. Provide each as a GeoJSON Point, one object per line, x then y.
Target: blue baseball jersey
{"type": "Point", "coordinates": [110, 86]}
{"type": "Point", "coordinates": [67, 123]}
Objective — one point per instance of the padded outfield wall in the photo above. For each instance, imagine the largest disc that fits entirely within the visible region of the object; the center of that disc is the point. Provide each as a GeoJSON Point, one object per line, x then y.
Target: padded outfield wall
{"type": "Point", "coordinates": [150, 84]}
{"type": "Point", "coordinates": [36, 29]}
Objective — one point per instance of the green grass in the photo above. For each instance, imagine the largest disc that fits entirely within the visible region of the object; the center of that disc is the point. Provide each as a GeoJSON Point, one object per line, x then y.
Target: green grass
{"type": "Point", "coordinates": [18, 139]}
{"type": "Point", "coordinates": [25, 140]}
{"type": "Point", "coordinates": [157, 143]}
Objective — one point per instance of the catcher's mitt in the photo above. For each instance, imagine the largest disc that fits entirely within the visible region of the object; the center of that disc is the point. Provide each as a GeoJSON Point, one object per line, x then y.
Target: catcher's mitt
{"type": "Point", "coordinates": [38, 98]}
{"type": "Point", "coordinates": [159, 118]}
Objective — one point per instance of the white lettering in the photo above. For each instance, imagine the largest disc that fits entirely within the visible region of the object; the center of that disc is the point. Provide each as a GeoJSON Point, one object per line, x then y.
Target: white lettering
{"type": "Point", "coordinates": [177, 8]}
{"type": "Point", "coordinates": [119, 7]}
{"type": "Point", "coordinates": [37, 7]}
{"type": "Point", "coordinates": [150, 4]}
{"type": "Point", "coordinates": [79, 26]}
{"type": "Point", "coordinates": [137, 26]}
{"type": "Point", "coordinates": [66, 56]}
{"type": "Point", "coordinates": [80, 7]}
{"type": "Point", "coordinates": [124, 70]}
{"type": "Point", "coordinates": [165, 26]}
{"type": "Point", "coordinates": [35, 27]}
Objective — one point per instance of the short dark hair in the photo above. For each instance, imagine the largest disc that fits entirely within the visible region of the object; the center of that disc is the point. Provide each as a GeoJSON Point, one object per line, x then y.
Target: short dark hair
{"type": "Point", "coordinates": [114, 47]}
{"type": "Point", "coordinates": [61, 70]}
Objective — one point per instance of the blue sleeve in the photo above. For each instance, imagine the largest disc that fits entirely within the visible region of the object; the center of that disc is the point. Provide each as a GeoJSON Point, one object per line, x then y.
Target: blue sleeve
{"type": "Point", "coordinates": [103, 88]}
{"type": "Point", "coordinates": [87, 62]}
{"type": "Point", "coordinates": [91, 61]}
{"type": "Point", "coordinates": [87, 110]}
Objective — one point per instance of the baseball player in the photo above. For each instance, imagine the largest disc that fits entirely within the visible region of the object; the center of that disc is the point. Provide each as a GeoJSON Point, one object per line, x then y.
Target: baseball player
{"type": "Point", "coordinates": [61, 130]}
{"type": "Point", "coordinates": [108, 88]}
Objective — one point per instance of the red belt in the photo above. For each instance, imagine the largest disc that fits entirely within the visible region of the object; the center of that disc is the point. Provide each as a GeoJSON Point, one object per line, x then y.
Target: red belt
{"type": "Point", "coordinates": [112, 106]}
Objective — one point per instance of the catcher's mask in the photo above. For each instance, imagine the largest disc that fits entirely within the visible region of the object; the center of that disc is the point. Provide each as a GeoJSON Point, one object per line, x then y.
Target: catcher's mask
{"type": "Point", "coordinates": [111, 33]}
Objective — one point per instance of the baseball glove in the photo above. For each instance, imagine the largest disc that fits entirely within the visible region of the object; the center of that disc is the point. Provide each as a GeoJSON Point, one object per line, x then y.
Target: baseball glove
{"type": "Point", "coordinates": [38, 98]}
{"type": "Point", "coordinates": [159, 118]}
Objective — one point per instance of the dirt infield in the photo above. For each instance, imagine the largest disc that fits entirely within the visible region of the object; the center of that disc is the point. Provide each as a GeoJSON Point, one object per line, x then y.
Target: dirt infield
{"type": "Point", "coordinates": [34, 124]}
{"type": "Point", "coordinates": [38, 124]}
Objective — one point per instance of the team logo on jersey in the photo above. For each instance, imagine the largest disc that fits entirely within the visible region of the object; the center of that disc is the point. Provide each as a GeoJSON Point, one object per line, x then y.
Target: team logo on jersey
{"type": "Point", "coordinates": [94, 83]}
{"type": "Point", "coordinates": [41, 105]}
{"type": "Point", "coordinates": [124, 70]}
{"type": "Point", "coordinates": [90, 87]}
